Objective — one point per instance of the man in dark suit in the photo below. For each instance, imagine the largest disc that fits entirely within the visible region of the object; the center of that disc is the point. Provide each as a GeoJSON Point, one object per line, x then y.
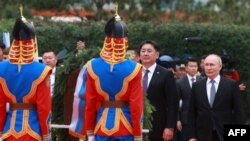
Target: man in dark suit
{"type": "Point", "coordinates": [215, 102]}
{"type": "Point", "coordinates": [184, 86]}
{"type": "Point", "coordinates": [161, 92]}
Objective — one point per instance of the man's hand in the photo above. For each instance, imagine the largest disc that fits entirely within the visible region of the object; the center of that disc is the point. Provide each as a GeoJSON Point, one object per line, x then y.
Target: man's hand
{"type": "Point", "coordinates": [179, 126]}
{"type": "Point", "coordinates": [168, 134]}
{"type": "Point", "coordinates": [242, 87]}
{"type": "Point", "coordinates": [192, 139]}
{"type": "Point", "coordinates": [80, 45]}
{"type": "Point", "coordinates": [91, 138]}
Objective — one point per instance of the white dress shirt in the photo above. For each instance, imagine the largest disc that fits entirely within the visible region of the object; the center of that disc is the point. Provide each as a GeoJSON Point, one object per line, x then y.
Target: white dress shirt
{"type": "Point", "coordinates": [209, 85]}
{"type": "Point", "coordinates": [190, 79]}
{"type": "Point", "coordinates": [52, 81]}
{"type": "Point", "coordinates": [150, 73]}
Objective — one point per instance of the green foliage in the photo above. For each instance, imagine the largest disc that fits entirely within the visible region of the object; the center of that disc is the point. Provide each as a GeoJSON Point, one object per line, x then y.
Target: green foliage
{"type": "Point", "coordinates": [147, 118]}
{"type": "Point", "coordinates": [6, 26]}
{"type": "Point", "coordinates": [62, 36]}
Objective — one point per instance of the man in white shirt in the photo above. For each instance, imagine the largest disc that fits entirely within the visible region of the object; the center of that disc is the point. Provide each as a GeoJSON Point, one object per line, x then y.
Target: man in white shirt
{"type": "Point", "coordinates": [49, 58]}
{"type": "Point", "coordinates": [215, 102]}
{"type": "Point", "coordinates": [184, 86]}
{"type": "Point", "coordinates": [160, 87]}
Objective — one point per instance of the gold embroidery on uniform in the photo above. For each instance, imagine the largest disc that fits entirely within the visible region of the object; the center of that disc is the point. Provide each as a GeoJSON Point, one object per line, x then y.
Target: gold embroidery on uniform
{"type": "Point", "coordinates": [116, 122]}
{"type": "Point", "coordinates": [7, 91]}
{"type": "Point", "coordinates": [35, 84]}
{"type": "Point", "coordinates": [126, 81]}
{"type": "Point", "coordinates": [126, 123]}
{"type": "Point", "coordinates": [97, 81]}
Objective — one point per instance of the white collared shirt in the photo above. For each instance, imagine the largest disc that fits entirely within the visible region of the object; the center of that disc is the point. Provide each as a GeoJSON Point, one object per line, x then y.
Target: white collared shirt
{"type": "Point", "coordinates": [190, 79]}
{"type": "Point", "coordinates": [52, 81]}
{"type": "Point", "coordinates": [209, 85]}
{"type": "Point", "coordinates": [150, 73]}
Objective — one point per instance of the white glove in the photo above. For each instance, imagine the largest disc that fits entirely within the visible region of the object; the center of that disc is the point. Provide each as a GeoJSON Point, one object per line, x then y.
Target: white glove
{"type": "Point", "coordinates": [0, 139]}
{"type": "Point", "coordinates": [91, 138]}
{"type": "Point", "coordinates": [80, 139]}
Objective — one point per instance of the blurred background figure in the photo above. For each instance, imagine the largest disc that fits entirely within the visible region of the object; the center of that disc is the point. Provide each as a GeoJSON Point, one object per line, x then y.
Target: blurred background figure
{"type": "Point", "coordinates": [80, 46]}
{"type": "Point", "coordinates": [201, 68]}
{"type": "Point", "coordinates": [180, 71]}
{"type": "Point", "coordinates": [4, 46]}
{"type": "Point", "coordinates": [133, 54]}
{"type": "Point", "coordinates": [1, 52]}
{"type": "Point", "coordinates": [167, 62]}
{"type": "Point", "coordinates": [229, 68]}
{"type": "Point", "coordinates": [50, 59]}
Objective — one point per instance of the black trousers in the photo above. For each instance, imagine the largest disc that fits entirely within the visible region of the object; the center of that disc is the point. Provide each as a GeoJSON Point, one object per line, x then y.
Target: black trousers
{"type": "Point", "coordinates": [215, 136]}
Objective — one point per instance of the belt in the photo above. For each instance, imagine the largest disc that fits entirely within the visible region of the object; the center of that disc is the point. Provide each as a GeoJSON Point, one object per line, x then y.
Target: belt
{"type": "Point", "coordinates": [114, 104]}
{"type": "Point", "coordinates": [22, 106]}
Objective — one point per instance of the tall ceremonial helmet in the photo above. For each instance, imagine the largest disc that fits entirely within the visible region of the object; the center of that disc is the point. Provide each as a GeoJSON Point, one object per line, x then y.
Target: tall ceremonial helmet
{"type": "Point", "coordinates": [116, 40]}
{"type": "Point", "coordinates": [23, 48]}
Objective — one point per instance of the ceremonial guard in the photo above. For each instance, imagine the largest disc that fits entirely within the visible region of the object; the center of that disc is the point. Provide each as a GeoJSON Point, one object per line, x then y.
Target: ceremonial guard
{"type": "Point", "coordinates": [112, 95]}
{"type": "Point", "coordinates": [24, 84]}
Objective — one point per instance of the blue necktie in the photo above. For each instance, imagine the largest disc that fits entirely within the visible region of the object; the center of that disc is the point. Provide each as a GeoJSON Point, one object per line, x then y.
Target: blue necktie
{"type": "Point", "coordinates": [145, 81]}
{"type": "Point", "coordinates": [212, 93]}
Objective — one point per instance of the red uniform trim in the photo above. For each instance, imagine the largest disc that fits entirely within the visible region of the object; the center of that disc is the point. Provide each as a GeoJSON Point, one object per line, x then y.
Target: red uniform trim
{"type": "Point", "coordinates": [132, 92]}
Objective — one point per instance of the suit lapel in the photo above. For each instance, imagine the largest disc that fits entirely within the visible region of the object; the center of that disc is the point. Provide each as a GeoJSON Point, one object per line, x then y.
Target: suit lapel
{"type": "Point", "coordinates": [186, 84]}
{"type": "Point", "coordinates": [198, 78]}
{"type": "Point", "coordinates": [219, 91]}
{"type": "Point", "coordinates": [204, 92]}
{"type": "Point", "coordinates": [155, 76]}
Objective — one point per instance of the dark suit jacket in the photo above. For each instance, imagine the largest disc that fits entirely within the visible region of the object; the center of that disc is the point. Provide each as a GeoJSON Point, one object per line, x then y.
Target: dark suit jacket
{"type": "Point", "coordinates": [227, 109]}
{"type": "Point", "coordinates": [184, 92]}
{"type": "Point", "coordinates": [163, 96]}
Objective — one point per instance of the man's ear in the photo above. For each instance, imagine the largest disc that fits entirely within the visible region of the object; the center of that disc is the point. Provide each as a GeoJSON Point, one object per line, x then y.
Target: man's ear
{"type": "Point", "coordinates": [157, 55]}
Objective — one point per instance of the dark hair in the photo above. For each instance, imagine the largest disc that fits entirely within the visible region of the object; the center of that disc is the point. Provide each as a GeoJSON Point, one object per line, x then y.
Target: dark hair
{"type": "Point", "coordinates": [204, 57]}
{"type": "Point", "coordinates": [153, 43]}
{"type": "Point", "coordinates": [137, 51]}
{"type": "Point", "coordinates": [80, 39]}
{"type": "Point", "coordinates": [2, 46]}
{"type": "Point", "coordinates": [191, 60]}
{"type": "Point", "coordinates": [46, 51]}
